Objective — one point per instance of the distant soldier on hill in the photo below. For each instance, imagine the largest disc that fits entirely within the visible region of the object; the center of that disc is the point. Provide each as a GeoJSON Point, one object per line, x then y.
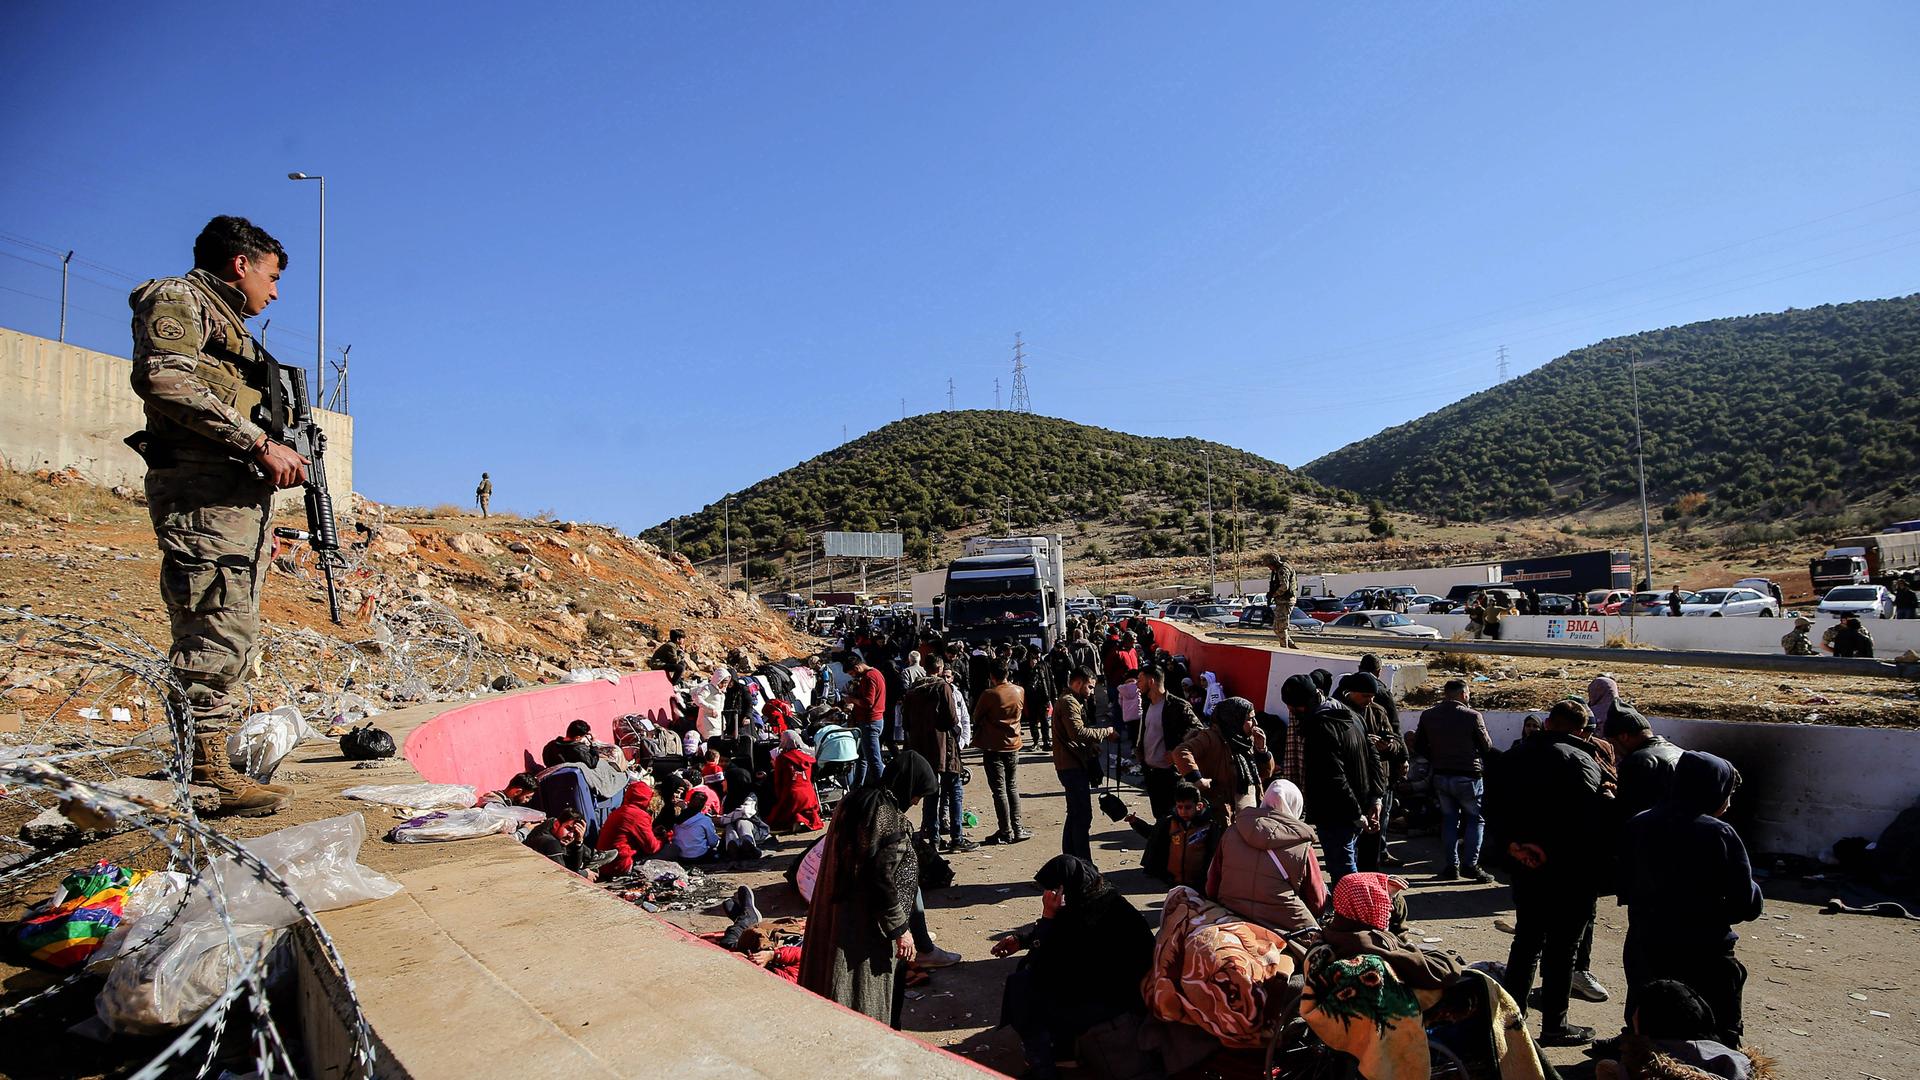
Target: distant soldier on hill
{"type": "Point", "coordinates": [483, 494]}
{"type": "Point", "coordinates": [1282, 586]}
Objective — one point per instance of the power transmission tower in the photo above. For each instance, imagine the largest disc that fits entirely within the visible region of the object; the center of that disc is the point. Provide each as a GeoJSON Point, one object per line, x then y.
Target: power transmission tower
{"type": "Point", "coordinates": [996, 393]}
{"type": "Point", "coordinates": [903, 408]}
{"type": "Point", "coordinates": [949, 393]}
{"type": "Point", "coordinates": [1021, 401]}
{"type": "Point", "coordinates": [1503, 363]}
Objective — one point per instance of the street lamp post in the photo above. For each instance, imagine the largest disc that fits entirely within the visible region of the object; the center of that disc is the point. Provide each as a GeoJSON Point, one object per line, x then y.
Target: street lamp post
{"type": "Point", "coordinates": [1640, 454]}
{"type": "Point", "coordinates": [320, 347]}
{"type": "Point", "coordinates": [895, 522]}
{"type": "Point", "coordinates": [1212, 578]}
{"type": "Point", "coordinates": [726, 531]}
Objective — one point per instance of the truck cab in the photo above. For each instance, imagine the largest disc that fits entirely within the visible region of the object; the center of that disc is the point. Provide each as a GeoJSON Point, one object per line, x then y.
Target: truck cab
{"type": "Point", "coordinates": [1007, 589]}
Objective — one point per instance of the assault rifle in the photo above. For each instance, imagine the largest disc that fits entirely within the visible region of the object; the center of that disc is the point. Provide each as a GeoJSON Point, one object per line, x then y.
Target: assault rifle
{"type": "Point", "coordinates": [287, 397]}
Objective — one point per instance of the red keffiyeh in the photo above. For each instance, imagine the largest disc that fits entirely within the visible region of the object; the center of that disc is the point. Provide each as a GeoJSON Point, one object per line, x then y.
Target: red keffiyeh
{"type": "Point", "coordinates": [1367, 898]}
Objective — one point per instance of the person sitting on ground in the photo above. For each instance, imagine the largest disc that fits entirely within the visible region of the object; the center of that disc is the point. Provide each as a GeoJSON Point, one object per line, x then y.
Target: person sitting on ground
{"type": "Point", "coordinates": [562, 838]}
{"type": "Point", "coordinates": [1672, 1034]}
{"type": "Point", "coordinates": [1266, 869]}
{"type": "Point", "coordinates": [1851, 639]}
{"type": "Point", "coordinates": [736, 783]}
{"type": "Point", "coordinates": [1367, 913]}
{"type": "Point", "coordinates": [520, 791]}
{"type": "Point", "coordinates": [1086, 958]}
{"type": "Point", "coordinates": [1686, 880]}
{"type": "Point", "coordinates": [628, 831]}
{"type": "Point", "coordinates": [796, 805]}
{"type": "Point", "coordinates": [1228, 759]}
{"type": "Point", "coordinates": [1180, 845]}
{"type": "Point", "coordinates": [576, 746]}
{"type": "Point", "coordinates": [694, 835]}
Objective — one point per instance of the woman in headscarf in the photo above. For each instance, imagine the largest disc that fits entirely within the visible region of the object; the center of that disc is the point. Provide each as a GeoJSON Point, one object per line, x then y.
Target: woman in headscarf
{"type": "Point", "coordinates": [1602, 692]}
{"type": "Point", "coordinates": [1267, 870]}
{"type": "Point", "coordinates": [857, 936]}
{"type": "Point", "coordinates": [1366, 907]}
{"type": "Point", "coordinates": [1086, 957]}
{"type": "Point", "coordinates": [796, 805]}
{"type": "Point", "coordinates": [1228, 759]}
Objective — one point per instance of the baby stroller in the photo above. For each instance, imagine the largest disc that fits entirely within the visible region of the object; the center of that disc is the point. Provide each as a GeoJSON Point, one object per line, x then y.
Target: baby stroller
{"type": "Point", "coordinates": [836, 750]}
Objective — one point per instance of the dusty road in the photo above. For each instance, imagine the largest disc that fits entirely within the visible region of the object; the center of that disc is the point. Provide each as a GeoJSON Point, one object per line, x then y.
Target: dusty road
{"type": "Point", "coordinates": [1815, 980]}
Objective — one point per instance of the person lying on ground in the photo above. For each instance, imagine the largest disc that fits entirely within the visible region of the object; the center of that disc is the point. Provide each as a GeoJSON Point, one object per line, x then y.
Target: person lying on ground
{"type": "Point", "coordinates": [1086, 958]}
{"type": "Point", "coordinates": [561, 838]}
{"type": "Point", "coordinates": [1267, 870]}
{"type": "Point", "coordinates": [628, 831]}
{"type": "Point", "coordinates": [1180, 845]}
{"type": "Point", "coordinates": [1367, 914]}
{"type": "Point", "coordinates": [1673, 1035]}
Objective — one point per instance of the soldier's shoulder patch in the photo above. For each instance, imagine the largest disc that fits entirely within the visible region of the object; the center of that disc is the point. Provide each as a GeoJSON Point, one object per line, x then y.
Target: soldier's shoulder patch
{"type": "Point", "coordinates": [168, 328]}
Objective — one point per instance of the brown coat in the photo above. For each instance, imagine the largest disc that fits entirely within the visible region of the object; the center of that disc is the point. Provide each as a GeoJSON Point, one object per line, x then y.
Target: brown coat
{"type": "Point", "coordinates": [1268, 871]}
{"type": "Point", "coordinates": [1073, 743]}
{"type": "Point", "coordinates": [996, 718]}
{"type": "Point", "coordinates": [1207, 749]}
{"type": "Point", "coordinates": [931, 721]}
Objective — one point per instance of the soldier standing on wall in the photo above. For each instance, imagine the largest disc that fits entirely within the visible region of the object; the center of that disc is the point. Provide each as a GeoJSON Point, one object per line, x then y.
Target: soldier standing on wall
{"type": "Point", "coordinates": [211, 474]}
{"type": "Point", "coordinates": [1282, 586]}
{"type": "Point", "coordinates": [483, 494]}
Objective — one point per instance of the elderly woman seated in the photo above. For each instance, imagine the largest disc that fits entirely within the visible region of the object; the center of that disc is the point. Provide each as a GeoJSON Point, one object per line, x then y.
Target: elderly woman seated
{"type": "Point", "coordinates": [1266, 869]}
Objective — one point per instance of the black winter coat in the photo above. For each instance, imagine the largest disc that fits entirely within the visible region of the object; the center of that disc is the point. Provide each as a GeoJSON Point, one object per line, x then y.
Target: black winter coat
{"type": "Point", "coordinates": [1546, 791]}
{"type": "Point", "coordinates": [1344, 776]}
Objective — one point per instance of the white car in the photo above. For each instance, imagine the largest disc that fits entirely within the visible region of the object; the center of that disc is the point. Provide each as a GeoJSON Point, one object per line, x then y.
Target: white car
{"type": "Point", "coordinates": [1731, 602]}
{"type": "Point", "coordinates": [1421, 603]}
{"type": "Point", "coordinates": [1217, 614]}
{"type": "Point", "coordinates": [1389, 622]}
{"type": "Point", "coordinates": [1866, 601]}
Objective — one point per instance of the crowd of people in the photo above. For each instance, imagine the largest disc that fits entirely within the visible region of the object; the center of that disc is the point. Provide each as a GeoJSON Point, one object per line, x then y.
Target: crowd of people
{"type": "Point", "coordinates": [1277, 823]}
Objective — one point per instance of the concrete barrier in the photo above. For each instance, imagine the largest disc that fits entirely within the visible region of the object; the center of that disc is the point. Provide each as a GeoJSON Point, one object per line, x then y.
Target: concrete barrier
{"type": "Point", "coordinates": [1891, 637]}
{"type": "Point", "coordinates": [1256, 674]}
{"type": "Point", "coordinates": [494, 959]}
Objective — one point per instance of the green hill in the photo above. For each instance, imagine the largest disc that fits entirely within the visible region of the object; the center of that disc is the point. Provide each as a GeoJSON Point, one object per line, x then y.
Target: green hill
{"type": "Point", "coordinates": [1799, 413]}
{"type": "Point", "coordinates": [941, 472]}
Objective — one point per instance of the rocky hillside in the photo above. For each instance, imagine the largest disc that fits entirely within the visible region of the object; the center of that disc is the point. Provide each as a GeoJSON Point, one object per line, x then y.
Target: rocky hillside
{"type": "Point", "coordinates": [1800, 413]}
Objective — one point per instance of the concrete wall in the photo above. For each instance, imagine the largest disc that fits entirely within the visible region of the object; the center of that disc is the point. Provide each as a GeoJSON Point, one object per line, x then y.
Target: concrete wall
{"type": "Point", "coordinates": [485, 743]}
{"type": "Point", "coordinates": [64, 406]}
{"type": "Point", "coordinates": [1891, 637]}
{"type": "Point", "coordinates": [1803, 786]}
{"type": "Point", "coordinates": [1256, 674]}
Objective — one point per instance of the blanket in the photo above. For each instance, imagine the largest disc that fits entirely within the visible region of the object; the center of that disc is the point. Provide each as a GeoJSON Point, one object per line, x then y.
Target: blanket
{"type": "Point", "coordinates": [1357, 1007]}
{"type": "Point", "coordinates": [1211, 969]}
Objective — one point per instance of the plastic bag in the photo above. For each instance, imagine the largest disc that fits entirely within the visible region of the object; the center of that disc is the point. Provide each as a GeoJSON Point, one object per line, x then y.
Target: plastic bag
{"type": "Point", "coordinates": [161, 890]}
{"type": "Point", "coordinates": [589, 674]}
{"type": "Point", "coordinates": [188, 956]}
{"type": "Point", "coordinates": [69, 927]}
{"type": "Point", "coordinates": [416, 796]}
{"type": "Point", "coordinates": [366, 743]}
{"type": "Point", "coordinates": [257, 746]}
{"type": "Point", "coordinates": [451, 825]}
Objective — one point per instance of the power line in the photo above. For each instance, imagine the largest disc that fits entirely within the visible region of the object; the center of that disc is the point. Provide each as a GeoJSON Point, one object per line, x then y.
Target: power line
{"type": "Point", "coordinates": [1022, 402]}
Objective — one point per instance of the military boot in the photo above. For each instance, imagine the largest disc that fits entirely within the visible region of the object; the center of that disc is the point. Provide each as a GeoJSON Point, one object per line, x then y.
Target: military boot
{"type": "Point", "coordinates": [240, 795]}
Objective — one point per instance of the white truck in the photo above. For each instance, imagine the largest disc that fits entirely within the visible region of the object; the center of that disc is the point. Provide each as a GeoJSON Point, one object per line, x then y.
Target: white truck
{"type": "Point", "coordinates": [1008, 588]}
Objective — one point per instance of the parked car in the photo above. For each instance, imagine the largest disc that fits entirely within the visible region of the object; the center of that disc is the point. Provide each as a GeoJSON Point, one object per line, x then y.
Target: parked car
{"type": "Point", "coordinates": [1217, 614]}
{"type": "Point", "coordinates": [1122, 612]}
{"type": "Point", "coordinates": [1553, 603]}
{"type": "Point", "coordinates": [1866, 601]}
{"type": "Point", "coordinates": [1324, 608]}
{"type": "Point", "coordinates": [1607, 601]}
{"type": "Point", "coordinates": [1731, 602]}
{"type": "Point", "coordinates": [1123, 600]}
{"type": "Point", "coordinates": [1654, 602]}
{"type": "Point", "coordinates": [1180, 611]}
{"type": "Point", "coordinates": [1153, 610]}
{"type": "Point", "coordinates": [1260, 617]}
{"type": "Point", "coordinates": [1390, 622]}
{"type": "Point", "coordinates": [1421, 603]}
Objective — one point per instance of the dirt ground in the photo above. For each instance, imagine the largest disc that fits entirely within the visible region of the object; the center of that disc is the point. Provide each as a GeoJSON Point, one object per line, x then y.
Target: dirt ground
{"type": "Point", "coordinates": [1815, 980]}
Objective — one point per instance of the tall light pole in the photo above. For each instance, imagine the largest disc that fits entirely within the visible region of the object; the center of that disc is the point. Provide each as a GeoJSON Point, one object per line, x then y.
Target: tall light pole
{"type": "Point", "coordinates": [63, 296]}
{"type": "Point", "coordinates": [1640, 453]}
{"type": "Point", "coordinates": [726, 531]}
{"type": "Point", "coordinates": [1212, 578]}
{"type": "Point", "coordinates": [895, 522]}
{"type": "Point", "coordinates": [320, 347]}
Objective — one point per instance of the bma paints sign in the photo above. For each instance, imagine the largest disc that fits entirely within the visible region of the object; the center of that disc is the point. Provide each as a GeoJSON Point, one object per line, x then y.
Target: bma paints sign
{"type": "Point", "coordinates": [1579, 630]}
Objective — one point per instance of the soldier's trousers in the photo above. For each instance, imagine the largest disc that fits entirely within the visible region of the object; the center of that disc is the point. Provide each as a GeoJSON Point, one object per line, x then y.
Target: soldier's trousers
{"type": "Point", "coordinates": [211, 523]}
{"type": "Point", "coordinates": [483, 505]}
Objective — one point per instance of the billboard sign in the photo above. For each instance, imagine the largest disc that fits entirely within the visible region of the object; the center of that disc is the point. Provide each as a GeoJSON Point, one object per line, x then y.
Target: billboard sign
{"type": "Point", "coordinates": [1579, 629]}
{"type": "Point", "coordinates": [861, 545]}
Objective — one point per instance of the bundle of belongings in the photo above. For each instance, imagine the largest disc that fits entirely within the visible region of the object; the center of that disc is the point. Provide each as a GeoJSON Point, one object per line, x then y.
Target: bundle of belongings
{"type": "Point", "coordinates": [1212, 969]}
{"type": "Point", "coordinates": [1372, 993]}
{"type": "Point", "coordinates": [65, 929]}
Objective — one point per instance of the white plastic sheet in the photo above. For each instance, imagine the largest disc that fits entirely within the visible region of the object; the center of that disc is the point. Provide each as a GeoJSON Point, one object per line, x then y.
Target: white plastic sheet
{"type": "Point", "coordinates": [443, 825]}
{"type": "Point", "coordinates": [257, 746]}
{"type": "Point", "coordinates": [416, 796]}
{"type": "Point", "coordinates": [584, 675]}
{"type": "Point", "coordinates": [188, 957]}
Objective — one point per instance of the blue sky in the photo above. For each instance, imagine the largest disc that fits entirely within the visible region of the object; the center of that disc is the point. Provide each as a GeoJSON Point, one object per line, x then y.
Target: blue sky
{"type": "Point", "coordinates": [628, 257]}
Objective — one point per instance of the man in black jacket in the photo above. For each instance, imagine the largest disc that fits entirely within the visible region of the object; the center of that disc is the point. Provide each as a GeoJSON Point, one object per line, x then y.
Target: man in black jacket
{"type": "Point", "coordinates": [1344, 778]}
{"type": "Point", "coordinates": [1548, 805]}
{"type": "Point", "coordinates": [1646, 761]}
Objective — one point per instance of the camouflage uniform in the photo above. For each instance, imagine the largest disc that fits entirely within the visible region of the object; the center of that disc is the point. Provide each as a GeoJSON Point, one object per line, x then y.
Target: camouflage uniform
{"type": "Point", "coordinates": [201, 376]}
{"type": "Point", "coordinates": [483, 494]}
{"type": "Point", "coordinates": [1798, 642]}
{"type": "Point", "coordinates": [1282, 586]}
